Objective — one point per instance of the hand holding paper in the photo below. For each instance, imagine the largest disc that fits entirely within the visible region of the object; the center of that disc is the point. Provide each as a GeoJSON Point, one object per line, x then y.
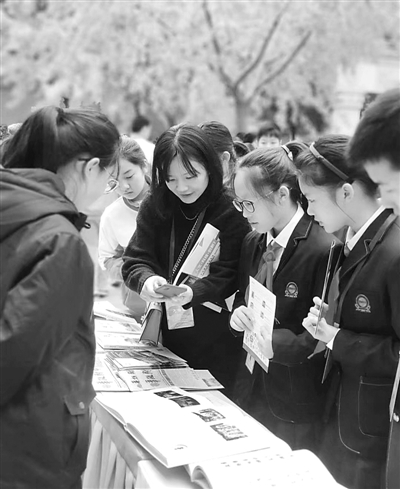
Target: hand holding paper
{"type": "Point", "coordinates": [183, 298]}
{"type": "Point", "coordinates": [242, 319]}
{"type": "Point", "coordinates": [148, 292]}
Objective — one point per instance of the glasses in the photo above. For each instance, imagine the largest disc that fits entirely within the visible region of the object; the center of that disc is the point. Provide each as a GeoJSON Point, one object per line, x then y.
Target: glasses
{"type": "Point", "coordinates": [112, 184]}
{"type": "Point", "coordinates": [248, 205]}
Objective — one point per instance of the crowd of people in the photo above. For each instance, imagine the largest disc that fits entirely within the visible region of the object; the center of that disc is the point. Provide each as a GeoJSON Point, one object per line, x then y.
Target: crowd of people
{"type": "Point", "coordinates": [280, 210]}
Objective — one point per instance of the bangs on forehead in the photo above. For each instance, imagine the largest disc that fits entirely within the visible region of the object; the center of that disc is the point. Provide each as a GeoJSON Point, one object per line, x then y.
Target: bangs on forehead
{"type": "Point", "coordinates": [184, 156]}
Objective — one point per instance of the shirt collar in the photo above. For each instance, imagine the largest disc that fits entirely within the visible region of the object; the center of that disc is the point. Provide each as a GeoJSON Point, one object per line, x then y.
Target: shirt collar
{"type": "Point", "coordinates": [283, 237]}
{"type": "Point", "coordinates": [352, 239]}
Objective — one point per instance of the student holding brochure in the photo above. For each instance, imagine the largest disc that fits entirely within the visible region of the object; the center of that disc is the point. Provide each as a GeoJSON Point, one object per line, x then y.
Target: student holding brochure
{"type": "Point", "coordinates": [187, 194]}
{"type": "Point", "coordinates": [288, 399]}
{"type": "Point", "coordinates": [363, 336]}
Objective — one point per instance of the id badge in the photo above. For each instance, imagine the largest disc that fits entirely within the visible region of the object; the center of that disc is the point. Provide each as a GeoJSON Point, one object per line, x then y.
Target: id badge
{"type": "Point", "coordinates": [177, 317]}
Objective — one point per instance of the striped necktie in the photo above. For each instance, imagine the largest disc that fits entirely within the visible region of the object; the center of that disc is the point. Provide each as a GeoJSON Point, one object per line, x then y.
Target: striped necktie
{"type": "Point", "coordinates": [265, 272]}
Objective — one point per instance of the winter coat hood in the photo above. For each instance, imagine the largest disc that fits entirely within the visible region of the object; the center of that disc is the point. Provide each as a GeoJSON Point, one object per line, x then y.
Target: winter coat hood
{"type": "Point", "coordinates": [27, 195]}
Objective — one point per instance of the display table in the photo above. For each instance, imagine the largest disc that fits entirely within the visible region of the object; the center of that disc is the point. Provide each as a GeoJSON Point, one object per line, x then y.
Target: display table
{"type": "Point", "coordinates": [113, 456]}
{"type": "Point", "coordinates": [117, 461]}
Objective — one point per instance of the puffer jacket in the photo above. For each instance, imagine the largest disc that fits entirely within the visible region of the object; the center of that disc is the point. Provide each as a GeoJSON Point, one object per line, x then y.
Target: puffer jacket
{"type": "Point", "coordinates": [47, 343]}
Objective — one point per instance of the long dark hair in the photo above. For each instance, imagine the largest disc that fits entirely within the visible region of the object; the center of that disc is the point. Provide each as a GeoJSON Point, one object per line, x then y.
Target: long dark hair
{"type": "Point", "coordinates": [188, 142]}
{"type": "Point", "coordinates": [51, 137]}
{"type": "Point", "coordinates": [315, 171]}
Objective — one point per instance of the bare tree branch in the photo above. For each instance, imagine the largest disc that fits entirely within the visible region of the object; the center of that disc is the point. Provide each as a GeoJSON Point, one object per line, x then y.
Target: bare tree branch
{"type": "Point", "coordinates": [283, 66]}
{"type": "Point", "coordinates": [257, 60]}
{"type": "Point", "coordinates": [217, 48]}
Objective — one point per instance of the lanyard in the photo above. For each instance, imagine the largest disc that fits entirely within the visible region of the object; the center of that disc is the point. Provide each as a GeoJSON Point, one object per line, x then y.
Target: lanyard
{"type": "Point", "coordinates": [173, 268]}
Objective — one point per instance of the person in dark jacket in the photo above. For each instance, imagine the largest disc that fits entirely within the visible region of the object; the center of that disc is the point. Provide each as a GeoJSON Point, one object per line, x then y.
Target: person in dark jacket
{"type": "Point", "coordinates": [376, 146]}
{"type": "Point", "coordinates": [58, 161]}
{"type": "Point", "coordinates": [363, 337]}
{"type": "Point", "coordinates": [288, 399]}
{"type": "Point", "coordinates": [187, 194]}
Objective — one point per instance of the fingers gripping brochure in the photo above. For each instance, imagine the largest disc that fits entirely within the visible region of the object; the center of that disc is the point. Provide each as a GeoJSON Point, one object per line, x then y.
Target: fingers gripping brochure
{"type": "Point", "coordinates": [258, 343]}
{"type": "Point", "coordinates": [178, 428]}
{"type": "Point", "coordinates": [196, 266]}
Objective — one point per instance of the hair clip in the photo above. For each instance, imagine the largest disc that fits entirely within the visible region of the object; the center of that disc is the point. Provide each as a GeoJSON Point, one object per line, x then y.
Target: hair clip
{"type": "Point", "coordinates": [327, 163]}
{"type": "Point", "coordinates": [287, 151]}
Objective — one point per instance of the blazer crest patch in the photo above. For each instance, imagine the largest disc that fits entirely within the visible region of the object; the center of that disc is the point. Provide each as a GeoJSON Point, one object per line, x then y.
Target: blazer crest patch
{"type": "Point", "coordinates": [291, 290]}
{"type": "Point", "coordinates": [362, 303]}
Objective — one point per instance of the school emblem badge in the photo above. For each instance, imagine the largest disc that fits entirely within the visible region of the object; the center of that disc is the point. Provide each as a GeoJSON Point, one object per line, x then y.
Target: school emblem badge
{"type": "Point", "coordinates": [362, 303]}
{"type": "Point", "coordinates": [291, 290]}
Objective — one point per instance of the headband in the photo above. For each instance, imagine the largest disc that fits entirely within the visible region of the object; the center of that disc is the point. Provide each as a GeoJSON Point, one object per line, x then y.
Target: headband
{"type": "Point", "coordinates": [287, 151]}
{"type": "Point", "coordinates": [327, 163]}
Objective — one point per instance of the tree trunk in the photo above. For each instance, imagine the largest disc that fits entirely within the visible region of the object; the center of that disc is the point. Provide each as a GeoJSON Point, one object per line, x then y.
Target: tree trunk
{"type": "Point", "coordinates": [241, 114]}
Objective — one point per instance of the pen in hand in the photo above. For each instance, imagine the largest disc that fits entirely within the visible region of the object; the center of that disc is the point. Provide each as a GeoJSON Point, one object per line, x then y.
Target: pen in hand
{"type": "Point", "coordinates": [325, 287]}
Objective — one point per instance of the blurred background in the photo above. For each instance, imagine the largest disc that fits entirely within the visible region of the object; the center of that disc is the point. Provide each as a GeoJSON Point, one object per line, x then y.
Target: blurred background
{"type": "Point", "coordinates": [310, 66]}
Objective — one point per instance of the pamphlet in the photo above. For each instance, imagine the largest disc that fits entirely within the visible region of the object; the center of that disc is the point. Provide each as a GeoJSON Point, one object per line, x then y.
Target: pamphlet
{"type": "Point", "coordinates": [106, 326]}
{"type": "Point", "coordinates": [185, 378]}
{"type": "Point", "coordinates": [105, 378]}
{"type": "Point", "coordinates": [269, 468]}
{"type": "Point", "coordinates": [179, 428]}
{"type": "Point", "coordinates": [258, 343]}
{"type": "Point", "coordinates": [197, 265]}
{"type": "Point", "coordinates": [144, 358]}
{"type": "Point", "coordinates": [106, 310]}
{"type": "Point", "coordinates": [117, 340]}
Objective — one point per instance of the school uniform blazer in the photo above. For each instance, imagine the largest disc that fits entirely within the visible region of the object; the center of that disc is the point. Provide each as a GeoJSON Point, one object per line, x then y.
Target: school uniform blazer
{"type": "Point", "coordinates": [293, 382]}
{"type": "Point", "coordinates": [367, 345]}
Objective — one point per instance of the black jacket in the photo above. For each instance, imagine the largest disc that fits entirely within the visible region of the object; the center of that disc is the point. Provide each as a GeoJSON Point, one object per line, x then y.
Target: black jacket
{"type": "Point", "coordinates": [209, 343]}
{"type": "Point", "coordinates": [292, 386]}
{"type": "Point", "coordinates": [46, 334]}
{"type": "Point", "coordinates": [367, 345]}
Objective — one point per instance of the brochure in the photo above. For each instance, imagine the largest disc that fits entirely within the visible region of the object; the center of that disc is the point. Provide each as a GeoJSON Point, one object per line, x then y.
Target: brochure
{"type": "Point", "coordinates": [179, 428]}
{"type": "Point", "coordinates": [145, 357]}
{"type": "Point", "coordinates": [116, 341]}
{"type": "Point", "coordinates": [105, 377]}
{"type": "Point", "coordinates": [280, 469]}
{"type": "Point", "coordinates": [185, 378]}
{"type": "Point", "coordinates": [258, 343]}
{"type": "Point", "coordinates": [106, 326]}
{"type": "Point", "coordinates": [106, 310]}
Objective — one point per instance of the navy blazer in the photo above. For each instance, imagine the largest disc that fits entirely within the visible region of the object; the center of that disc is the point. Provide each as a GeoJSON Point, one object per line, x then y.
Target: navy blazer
{"type": "Point", "coordinates": [293, 383]}
{"type": "Point", "coordinates": [367, 345]}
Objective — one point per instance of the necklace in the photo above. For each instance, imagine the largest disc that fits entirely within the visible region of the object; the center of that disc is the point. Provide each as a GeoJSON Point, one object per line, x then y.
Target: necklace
{"type": "Point", "coordinates": [189, 218]}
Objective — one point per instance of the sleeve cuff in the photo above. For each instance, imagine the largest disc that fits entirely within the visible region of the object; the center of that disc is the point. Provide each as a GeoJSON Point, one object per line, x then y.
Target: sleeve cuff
{"type": "Point", "coordinates": [330, 344]}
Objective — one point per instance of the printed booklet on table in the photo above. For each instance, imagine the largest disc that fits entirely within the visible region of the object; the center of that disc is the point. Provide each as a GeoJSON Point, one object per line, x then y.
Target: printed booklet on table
{"type": "Point", "coordinates": [179, 428]}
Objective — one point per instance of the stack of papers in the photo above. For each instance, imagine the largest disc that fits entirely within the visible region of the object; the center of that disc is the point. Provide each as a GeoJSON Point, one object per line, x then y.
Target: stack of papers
{"type": "Point", "coordinates": [123, 363]}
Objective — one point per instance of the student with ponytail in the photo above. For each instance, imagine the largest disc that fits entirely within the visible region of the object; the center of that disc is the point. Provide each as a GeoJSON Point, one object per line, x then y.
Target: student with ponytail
{"type": "Point", "coordinates": [361, 327]}
{"type": "Point", "coordinates": [58, 162]}
{"type": "Point", "coordinates": [288, 399]}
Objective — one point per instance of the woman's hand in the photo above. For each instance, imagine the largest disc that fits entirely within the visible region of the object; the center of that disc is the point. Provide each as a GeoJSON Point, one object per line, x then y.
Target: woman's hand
{"type": "Point", "coordinates": [242, 319]}
{"type": "Point", "coordinates": [325, 331]}
{"type": "Point", "coordinates": [148, 290]}
{"type": "Point", "coordinates": [183, 298]}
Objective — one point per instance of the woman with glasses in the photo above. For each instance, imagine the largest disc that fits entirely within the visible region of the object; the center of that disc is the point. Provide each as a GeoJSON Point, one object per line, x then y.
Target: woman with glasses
{"type": "Point", "coordinates": [186, 194]}
{"type": "Point", "coordinates": [288, 399]}
{"type": "Point", "coordinates": [118, 221]}
{"type": "Point", "coordinates": [58, 162]}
